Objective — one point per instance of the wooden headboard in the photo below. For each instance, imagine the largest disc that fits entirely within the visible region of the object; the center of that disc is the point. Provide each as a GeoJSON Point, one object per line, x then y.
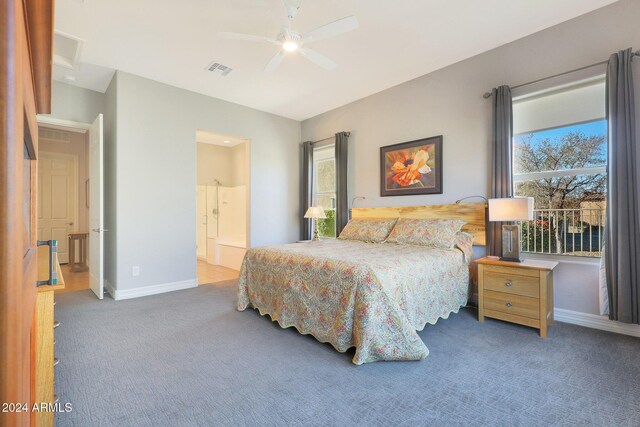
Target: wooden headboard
{"type": "Point", "coordinates": [472, 213]}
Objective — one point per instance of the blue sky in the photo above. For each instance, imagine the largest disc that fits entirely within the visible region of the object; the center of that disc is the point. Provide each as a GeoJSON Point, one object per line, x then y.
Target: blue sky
{"type": "Point", "coordinates": [597, 128]}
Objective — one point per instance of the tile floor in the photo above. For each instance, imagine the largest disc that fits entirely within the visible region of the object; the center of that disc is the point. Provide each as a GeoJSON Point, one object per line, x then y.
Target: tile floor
{"type": "Point", "coordinates": [208, 273]}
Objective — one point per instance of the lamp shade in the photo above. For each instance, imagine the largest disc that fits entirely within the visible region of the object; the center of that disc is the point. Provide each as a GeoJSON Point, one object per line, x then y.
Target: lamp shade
{"type": "Point", "coordinates": [315, 212]}
{"type": "Point", "coordinates": [511, 209]}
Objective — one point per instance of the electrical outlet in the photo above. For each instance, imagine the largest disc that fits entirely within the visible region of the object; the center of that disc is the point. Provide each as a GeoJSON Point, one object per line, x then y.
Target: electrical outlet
{"type": "Point", "coordinates": [135, 271]}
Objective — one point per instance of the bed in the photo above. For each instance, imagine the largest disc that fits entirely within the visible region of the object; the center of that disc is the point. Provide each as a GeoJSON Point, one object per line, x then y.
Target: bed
{"type": "Point", "coordinates": [371, 296]}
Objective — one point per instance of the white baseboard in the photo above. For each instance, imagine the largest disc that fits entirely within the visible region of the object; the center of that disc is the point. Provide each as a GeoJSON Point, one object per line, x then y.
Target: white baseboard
{"type": "Point", "coordinates": [596, 322]}
{"type": "Point", "coordinates": [143, 291]}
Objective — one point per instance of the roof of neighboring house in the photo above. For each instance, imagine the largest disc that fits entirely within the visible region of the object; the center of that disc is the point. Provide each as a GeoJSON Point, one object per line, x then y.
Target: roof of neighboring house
{"type": "Point", "coordinates": [594, 197]}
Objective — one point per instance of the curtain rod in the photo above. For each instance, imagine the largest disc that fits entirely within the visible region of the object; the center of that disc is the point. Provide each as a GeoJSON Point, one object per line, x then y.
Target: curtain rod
{"type": "Point", "coordinates": [487, 95]}
{"type": "Point", "coordinates": [331, 137]}
{"type": "Point", "coordinates": [323, 139]}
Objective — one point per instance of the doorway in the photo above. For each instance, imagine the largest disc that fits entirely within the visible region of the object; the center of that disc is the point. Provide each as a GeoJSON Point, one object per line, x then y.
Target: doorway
{"type": "Point", "coordinates": [70, 199]}
{"type": "Point", "coordinates": [62, 199]}
{"type": "Point", "coordinates": [222, 205]}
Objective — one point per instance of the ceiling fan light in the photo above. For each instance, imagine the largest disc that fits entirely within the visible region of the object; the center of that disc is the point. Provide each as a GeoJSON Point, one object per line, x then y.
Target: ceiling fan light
{"type": "Point", "coordinates": [290, 46]}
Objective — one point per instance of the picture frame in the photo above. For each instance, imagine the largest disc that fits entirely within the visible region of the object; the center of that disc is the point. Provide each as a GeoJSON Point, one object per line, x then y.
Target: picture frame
{"type": "Point", "coordinates": [411, 168]}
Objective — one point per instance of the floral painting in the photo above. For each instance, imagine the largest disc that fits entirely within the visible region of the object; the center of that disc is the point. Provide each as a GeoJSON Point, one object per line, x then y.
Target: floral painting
{"type": "Point", "coordinates": [413, 167]}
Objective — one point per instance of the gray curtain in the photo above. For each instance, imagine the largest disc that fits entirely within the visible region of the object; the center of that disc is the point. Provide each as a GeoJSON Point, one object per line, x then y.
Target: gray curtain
{"type": "Point", "coordinates": [502, 177]}
{"type": "Point", "coordinates": [306, 190]}
{"type": "Point", "coordinates": [342, 196]}
{"type": "Point", "coordinates": [622, 231]}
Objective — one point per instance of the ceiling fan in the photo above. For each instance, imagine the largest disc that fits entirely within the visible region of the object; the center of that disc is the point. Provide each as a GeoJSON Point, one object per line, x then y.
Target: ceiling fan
{"type": "Point", "coordinates": [291, 41]}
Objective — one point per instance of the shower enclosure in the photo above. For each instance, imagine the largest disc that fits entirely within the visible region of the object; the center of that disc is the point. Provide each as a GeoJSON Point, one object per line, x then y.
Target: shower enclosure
{"type": "Point", "coordinates": [221, 223]}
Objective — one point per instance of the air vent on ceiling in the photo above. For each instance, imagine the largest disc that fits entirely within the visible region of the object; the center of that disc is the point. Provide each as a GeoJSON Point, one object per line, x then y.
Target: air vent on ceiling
{"type": "Point", "coordinates": [66, 49]}
{"type": "Point", "coordinates": [218, 68]}
{"type": "Point", "coordinates": [54, 135]}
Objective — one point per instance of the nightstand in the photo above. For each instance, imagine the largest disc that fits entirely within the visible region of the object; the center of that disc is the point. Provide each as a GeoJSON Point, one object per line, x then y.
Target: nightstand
{"type": "Point", "coordinates": [517, 292]}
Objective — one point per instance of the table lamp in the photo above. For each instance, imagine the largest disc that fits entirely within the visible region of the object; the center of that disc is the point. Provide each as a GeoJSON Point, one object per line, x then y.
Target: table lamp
{"type": "Point", "coordinates": [511, 209]}
{"type": "Point", "coordinates": [315, 213]}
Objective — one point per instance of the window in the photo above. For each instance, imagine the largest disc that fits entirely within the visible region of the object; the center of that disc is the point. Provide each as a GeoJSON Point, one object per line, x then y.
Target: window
{"type": "Point", "coordinates": [560, 159]}
{"type": "Point", "coordinates": [324, 188]}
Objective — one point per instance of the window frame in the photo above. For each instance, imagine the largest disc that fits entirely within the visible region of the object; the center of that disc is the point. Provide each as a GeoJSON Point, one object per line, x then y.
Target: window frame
{"type": "Point", "coordinates": [540, 89]}
{"type": "Point", "coordinates": [329, 147]}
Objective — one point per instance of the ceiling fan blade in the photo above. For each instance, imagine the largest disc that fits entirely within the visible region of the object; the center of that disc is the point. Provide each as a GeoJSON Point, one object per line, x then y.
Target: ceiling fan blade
{"type": "Point", "coordinates": [248, 37]}
{"type": "Point", "coordinates": [275, 61]}
{"type": "Point", "coordinates": [318, 59]}
{"type": "Point", "coordinates": [333, 29]}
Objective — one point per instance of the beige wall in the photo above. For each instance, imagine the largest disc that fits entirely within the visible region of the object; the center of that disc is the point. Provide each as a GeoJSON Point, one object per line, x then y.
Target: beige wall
{"type": "Point", "coordinates": [226, 164]}
{"type": "Point", "coordinates": [213, 162]}
{"type": "Point", "coordinates": [78, 148]}
{"type": "Point", "coordinates": [239, 164]}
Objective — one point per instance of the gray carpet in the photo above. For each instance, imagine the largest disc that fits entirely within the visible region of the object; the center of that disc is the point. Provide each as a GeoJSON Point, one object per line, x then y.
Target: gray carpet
{"type": "Point", "coordinates": [189, 358]}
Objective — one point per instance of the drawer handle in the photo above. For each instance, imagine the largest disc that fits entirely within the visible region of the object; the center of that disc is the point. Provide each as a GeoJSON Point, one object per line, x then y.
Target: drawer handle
{"type": "Point", "coordinates": [56, 361]}
{"type": "Point", "coordinates": [56, 323]}
{"type": "Point", "coordinates": [508, 284]}
{"type": "Point", "coordinates": [53, 273]}
{"type": "Point", "coordinates": [509, 304]}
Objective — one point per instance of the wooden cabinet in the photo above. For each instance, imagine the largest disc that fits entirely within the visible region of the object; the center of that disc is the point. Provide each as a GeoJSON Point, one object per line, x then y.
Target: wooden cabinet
{"type": "Point", "coordinates": [26, 41]}
{"type": "Point", "coordinates": [43, 335]}
{"type": "Point", "coordinates": [518, 292]}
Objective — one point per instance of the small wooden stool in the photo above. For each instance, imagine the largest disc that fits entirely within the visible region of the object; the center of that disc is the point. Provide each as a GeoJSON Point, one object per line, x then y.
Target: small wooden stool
{"type": "Point", "coordinates": [81, 238]}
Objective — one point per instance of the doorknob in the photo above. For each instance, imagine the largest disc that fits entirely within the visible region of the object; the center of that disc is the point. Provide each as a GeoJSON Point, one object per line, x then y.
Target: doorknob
{"type": "Point", "coordinates": [69, 223]}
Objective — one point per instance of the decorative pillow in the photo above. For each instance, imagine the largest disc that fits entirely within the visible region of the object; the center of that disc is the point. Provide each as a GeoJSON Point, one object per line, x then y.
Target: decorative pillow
{"type": "Point", "coordinates": [368, 230]}
{"type": "Point", "coordinates": [464, 242]}
{"type": "Point", "coordinates": [435, 233]}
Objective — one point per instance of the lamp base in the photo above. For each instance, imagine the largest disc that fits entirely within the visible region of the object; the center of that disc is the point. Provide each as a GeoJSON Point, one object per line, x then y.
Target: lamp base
{"type": "Point", "coordinates": [315, 231]}
{"type": "Point", "coordinates": [510, 243]}
{"type": "Point", "coordinates": [510, 259]}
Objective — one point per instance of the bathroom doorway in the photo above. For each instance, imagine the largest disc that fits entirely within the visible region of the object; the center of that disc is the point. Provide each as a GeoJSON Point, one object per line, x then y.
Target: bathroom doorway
{"type": "Point", "coordinates": [222, 205]}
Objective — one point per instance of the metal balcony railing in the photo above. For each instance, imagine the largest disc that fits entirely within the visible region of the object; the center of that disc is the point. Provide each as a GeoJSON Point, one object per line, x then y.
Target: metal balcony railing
{"type": "Point", "coordinates": [574, 232]}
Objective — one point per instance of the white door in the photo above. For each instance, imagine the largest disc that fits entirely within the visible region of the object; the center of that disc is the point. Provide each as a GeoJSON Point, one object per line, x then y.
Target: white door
{"type": "Point", "coordinates": [96, 216]}
{"type": "Point", "coordinates": [201, 222]}
{"type": "Point", "coordinates": [57, 199]}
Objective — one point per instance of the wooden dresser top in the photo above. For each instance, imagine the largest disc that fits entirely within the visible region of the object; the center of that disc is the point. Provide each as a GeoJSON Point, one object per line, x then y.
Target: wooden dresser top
{"type": "Point", "coordinates": [527, 263]}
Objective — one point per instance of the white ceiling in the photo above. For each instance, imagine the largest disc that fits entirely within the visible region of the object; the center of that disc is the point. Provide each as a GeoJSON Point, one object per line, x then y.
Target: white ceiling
{"type": "Point", "coordinates": [217, 139]}
{"type": "Point", "coordinates": [172, 41]}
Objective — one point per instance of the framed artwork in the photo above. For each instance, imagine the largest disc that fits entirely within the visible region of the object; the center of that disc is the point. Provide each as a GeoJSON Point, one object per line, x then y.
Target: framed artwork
{"type": "Point", "coordinates": [413, 167]}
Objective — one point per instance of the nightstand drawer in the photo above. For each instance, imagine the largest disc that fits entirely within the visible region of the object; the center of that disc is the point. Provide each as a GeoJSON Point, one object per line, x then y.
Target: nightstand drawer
{"type": "Point", "coordinates": [513, 304]}
{"type": "Point", "coordinates": [512, 283]}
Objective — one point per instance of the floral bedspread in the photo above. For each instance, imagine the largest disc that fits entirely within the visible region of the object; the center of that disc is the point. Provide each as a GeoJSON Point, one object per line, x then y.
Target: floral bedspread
{"type": "Point", "coordinates": [372, 296]}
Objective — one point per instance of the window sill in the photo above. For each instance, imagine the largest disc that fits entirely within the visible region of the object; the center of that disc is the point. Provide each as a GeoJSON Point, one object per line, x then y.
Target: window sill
{"type": "Point", "coordinates": [565, 259]}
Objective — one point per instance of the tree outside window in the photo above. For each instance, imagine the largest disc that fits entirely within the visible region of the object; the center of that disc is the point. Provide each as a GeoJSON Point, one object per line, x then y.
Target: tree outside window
{"type": "Point", "coordinates": [564, 170]}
